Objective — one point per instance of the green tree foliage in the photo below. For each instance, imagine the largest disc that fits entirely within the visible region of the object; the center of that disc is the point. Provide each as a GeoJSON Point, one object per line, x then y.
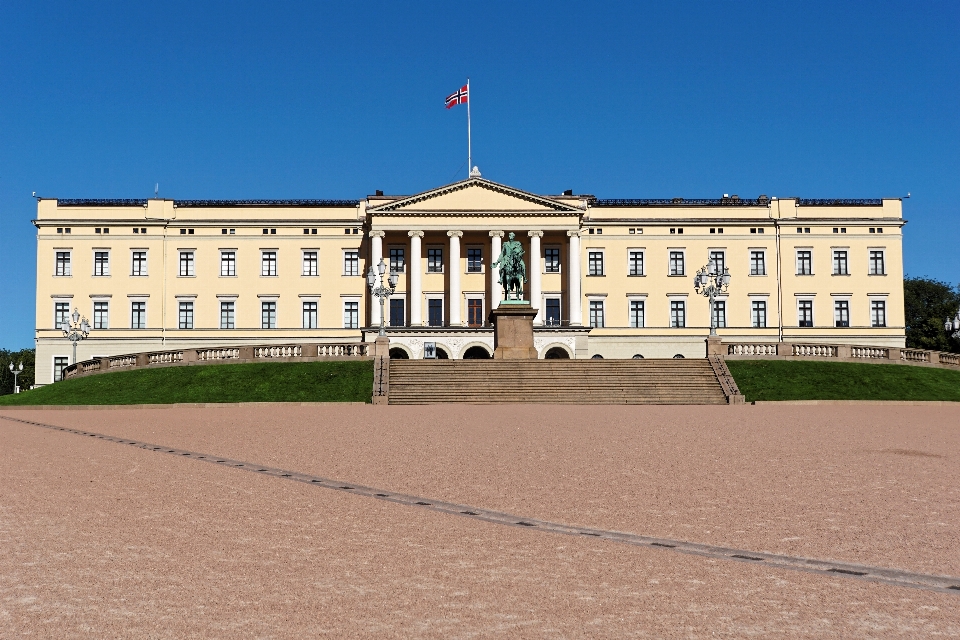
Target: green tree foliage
{"type": "Point", "coordinates": [927, 304]}
{"type": "Point", "coordinates": [24, 379]}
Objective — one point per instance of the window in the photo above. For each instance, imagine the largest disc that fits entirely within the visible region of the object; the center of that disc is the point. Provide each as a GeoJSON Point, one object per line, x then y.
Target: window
{"type": "Point", "coordinates": [676, 263]}
{"type": "Point", "coordinates": [876, 263]}
{"type": "Point", "coordinates": [266, 231]}
{"type": "Point", "coordinates": [552, 317]}
{"type": "Point", "coordinates": [840, 267]}
{"type": "Point", "coordinates": [551, 260]}
{"type": "Point", "coordinates": [398, 315]}
{"type": "Point", "coordinates": [227, 311]}
{"type": "Point", "coordinates": [435, 260]}
{"type": "Point", "coordinates": [841, 313]}
{"type": "Point", "coordinates": [758, 314]}
{"type": "Point", "coordinates": [351, 263]}
{"type": "Point", "coordinates": [635, 263]}
{"type": "Point", "coordinates": [474, 260]}
{"type": "Point", "coordinates": [309, 315]}
{"type": "Point", "coordinates": [475, 312]}
{"type": "Point", "coordinates": [397, 259]}
{"type": "Point", "coordinates": [61, 313]}
{"type": "Point", "coordinates": [839, 229]}
{"type": "Point", "coordinates": [878, 313]}
{"type": "Point", "coordinates": [351, 315]}
{"type": "Point", "coordinates": [186, 264]}
{"type": "Point", "coordinates": [184, 232]}
{"type": "Point", "coordinates": [138, 315]}
{"type": "Point", "coordinates": [596, 313]}
{"type": "Point", "coordinates": [758, 263]}
{"type": "Point", "coordinates": [268, 263]}
{"type": "Point", "coordinates": [805, 313]}
{"type": "Point", "coordinates": [804, 263]}
{"type": "Point", "coordinates": [186, 315]}
{"type": "Point", "coordinates": [63, 263]}
{"type": "Point", "coordinates": [717, 261]}
{"type": "Point", "coordinates": [268, 315]}
{"type": "Point", "coordinates": [101, 315]}
{"type": "Point", "coordinates": [59, 364]}
{"type": "Point", "coordinates": [228, 263]}
{"type": "Point", "coordinates": [435, 312]}
{"type": "Point", "coordinates": [595, 263]}
{"type": "Point", "coordinates": [636, 313]}
{"type": "Point", "coordinates": [310, 263]}
{"type": "Point", "coordinates": [719, 314]}
{"type": "Point", "coordinates": [139, 263]}
{"type": "Point", "coordinates": [101, 263]}
{"type": "Point", "coordinates": [678, 313]}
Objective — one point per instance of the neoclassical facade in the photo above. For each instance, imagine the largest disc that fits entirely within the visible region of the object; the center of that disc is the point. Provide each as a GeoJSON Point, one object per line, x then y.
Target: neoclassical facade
{"type": "Point", "coordinates": [613, 278]}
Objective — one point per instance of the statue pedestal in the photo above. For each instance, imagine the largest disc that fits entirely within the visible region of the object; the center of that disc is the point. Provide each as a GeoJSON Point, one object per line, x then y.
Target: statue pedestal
{"type": "Point", "coordinates": [513, 330]}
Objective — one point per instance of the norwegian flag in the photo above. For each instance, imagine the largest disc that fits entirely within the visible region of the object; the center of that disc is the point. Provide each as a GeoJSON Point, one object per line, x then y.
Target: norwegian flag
{"type": "Point", "coordinates": [458, 97]}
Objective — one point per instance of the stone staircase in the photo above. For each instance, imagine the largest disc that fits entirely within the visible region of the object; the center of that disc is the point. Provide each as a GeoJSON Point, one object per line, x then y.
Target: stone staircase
{"type": "Point", "coordinates": [647, 381]}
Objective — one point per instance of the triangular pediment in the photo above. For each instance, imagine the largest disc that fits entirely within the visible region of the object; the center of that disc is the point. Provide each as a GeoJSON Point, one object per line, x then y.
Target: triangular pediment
{"type": "Point", "coordinates": [475, 194]}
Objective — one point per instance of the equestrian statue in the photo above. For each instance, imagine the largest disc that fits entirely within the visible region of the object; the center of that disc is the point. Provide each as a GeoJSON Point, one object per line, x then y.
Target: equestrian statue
{"type": "Point", "coordinates": [513, 272]}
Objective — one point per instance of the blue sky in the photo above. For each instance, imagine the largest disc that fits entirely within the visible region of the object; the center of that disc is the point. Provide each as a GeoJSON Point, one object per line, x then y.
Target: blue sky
{"type": "Point", "coordinates": [317, 100]}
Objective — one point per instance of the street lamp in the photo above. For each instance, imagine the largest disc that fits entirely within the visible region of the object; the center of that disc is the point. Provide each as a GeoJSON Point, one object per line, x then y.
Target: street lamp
{"type": "Point", "coordinates": [16, 371]}
{"type": "Point", "coordinates": [711, 284]}
{"type": "Point", "coordinates": [75, 331]}
{"type": "Point", "coordinates": [953, 325]}
{"type": "Point", "coordinates": [385, 289]}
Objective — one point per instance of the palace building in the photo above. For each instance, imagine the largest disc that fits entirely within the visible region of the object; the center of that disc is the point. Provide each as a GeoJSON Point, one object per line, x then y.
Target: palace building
{"type": "Point", "coordinates": [611, 278]}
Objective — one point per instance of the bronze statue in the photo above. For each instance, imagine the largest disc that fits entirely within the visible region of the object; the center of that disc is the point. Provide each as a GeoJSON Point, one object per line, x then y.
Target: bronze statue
{"type": "Point", "coordinates": [513, 272]}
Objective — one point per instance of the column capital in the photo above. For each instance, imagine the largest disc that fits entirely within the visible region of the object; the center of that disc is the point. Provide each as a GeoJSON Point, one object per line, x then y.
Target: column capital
{"type": "Point", "coordinates": [535, 234]}
{"type": "Point", "coordinates": [454, 234]}
{"type": "Point", "coordinates": [415, 234]}
{"type": "Point", "coordinates": [377, 234]}
{"type": "Point", "coordinates": [496, 234]}
{"type": "Point", "coordinates": [576, 233]}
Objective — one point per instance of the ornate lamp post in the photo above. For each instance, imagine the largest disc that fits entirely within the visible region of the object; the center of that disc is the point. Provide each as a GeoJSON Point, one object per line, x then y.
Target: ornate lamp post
{"type": "Point", "coordinates": [384, 291]}
{"type": "Point", "coordinates": [16, 371]}
{"type": "Point", "coordinates": [711, 284]}
{"type": "Point", "coordinates": [75, 331]}
{"type": "Point", "coordinates": [953, 325]}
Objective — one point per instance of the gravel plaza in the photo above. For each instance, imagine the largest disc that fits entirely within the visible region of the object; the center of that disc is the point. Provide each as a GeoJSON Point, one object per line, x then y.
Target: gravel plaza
{"type": "Point", "coordinates": [100, 539]}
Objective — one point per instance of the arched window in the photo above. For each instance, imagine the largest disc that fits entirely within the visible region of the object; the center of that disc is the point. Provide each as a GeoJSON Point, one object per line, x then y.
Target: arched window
{"type": "Point", "coordinates": [637, 356]}
{"type": "Point", "coordinates": [596, 356]}
{"type": "Point", "coordinates": [556, 353]}
{"type": "Point", "coordinates": [679, 355]}
{"type": "Point", "coordinates": [399, 354]}
{"type": "Point", "coordinates": [476, 352]}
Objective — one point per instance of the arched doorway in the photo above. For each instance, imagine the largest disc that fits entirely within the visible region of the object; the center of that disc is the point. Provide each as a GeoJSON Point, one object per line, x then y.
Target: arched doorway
{"type": "Point", "coordinates": [396, 353]}
{"type": "Point", "coordinates": [476, 352]}
{"type": "Point", "coordinates": [637, 356]}
{"type": "Point", "coordinates": [679, 355]}
{"type": "Point", "coordinates": [442, 354]}
{"type": "Point", "coordinates": [596, 356]}
{"type": "Point", "coordinates": [556, 353]}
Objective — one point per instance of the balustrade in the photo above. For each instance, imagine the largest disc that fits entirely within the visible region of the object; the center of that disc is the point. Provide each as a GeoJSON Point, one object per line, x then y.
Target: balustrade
{"type": "Point", "coordinates": [123, 361]}
{"type": "Point", "coordinates": [752, 349]}
{"type": "Point", "coordinates": [217, 354]}
{"type": "Point", "coordinates": [165, 357]}
{"type": "Point", "coordinates": [815, 350]}
{"type": "Point", "coordinates": [949, 358]}
{"type": "Point", "coordinates": [915, 355]}
{"type": "Point", "coordinates": [278, 351]}
{"type": "Point", "coordinates": [869, 352]}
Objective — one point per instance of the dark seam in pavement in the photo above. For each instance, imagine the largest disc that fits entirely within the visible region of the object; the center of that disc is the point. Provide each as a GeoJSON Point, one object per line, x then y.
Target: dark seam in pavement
{"type": "Point", "coordinates": [894, 577]}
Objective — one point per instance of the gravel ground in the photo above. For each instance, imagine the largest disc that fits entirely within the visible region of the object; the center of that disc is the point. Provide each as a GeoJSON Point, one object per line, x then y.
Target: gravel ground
{"type": "Point", "coordinates": [98, 540]}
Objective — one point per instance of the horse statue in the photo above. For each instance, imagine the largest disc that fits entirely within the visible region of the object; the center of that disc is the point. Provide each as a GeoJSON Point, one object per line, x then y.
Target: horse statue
{"type": "Point", "coordinates": [513, 272]}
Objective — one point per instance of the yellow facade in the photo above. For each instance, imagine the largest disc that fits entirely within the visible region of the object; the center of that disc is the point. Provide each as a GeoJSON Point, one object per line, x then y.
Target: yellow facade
{"type": "Point", "coordinates": [122, 261]}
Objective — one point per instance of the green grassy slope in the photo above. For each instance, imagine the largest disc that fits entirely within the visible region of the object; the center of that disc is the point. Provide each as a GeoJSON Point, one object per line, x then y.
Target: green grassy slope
{"type": "Point", "coordinates": [336, 381]}
{"type": "Point", "coordinates": [815, 380]}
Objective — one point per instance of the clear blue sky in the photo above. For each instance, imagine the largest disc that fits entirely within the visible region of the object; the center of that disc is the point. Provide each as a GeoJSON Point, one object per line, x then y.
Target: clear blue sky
{"type": "Point", "coordinates": [314, 100]}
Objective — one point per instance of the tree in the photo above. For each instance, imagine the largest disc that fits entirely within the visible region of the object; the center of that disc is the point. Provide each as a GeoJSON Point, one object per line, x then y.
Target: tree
{"type": "Point", "coordinates": [927, 304]}
{"type": "Point", "coordinates": [25, 379]}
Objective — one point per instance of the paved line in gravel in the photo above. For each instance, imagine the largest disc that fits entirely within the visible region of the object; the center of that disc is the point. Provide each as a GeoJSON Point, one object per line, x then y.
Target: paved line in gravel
{"type": "Point", "coordinates": [943, 584]}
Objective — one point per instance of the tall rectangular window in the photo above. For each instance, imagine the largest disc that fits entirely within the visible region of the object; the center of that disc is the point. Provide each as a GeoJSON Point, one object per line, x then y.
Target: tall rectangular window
{"type": "Point", "coordinates": [138, 315]}
{"type": "Point", "coordinates": [758, 314]}
{"type": "Point", "coordinates": [268, 315]}
{"type": "Point", "coordinates": [101, 263]}
{"type": "Point", "coordinates": [309, 315]}
{"type": "Point", "coordinates": [268, 263]}
{"type": "Point", "coordinates": [227, 312]}
{"type": "Point", "coordinates": [475, 312]}
{"type": "Point", "coordinates": [61, 313]}
{"type": "Point", "coordinates": [758, 263]}
{"type": "Point", "coordinates": [552, 316]}
{"type": "Point", "coordinates": [351, 315]}
{"type": "Point", "coordinates": [186, 315]}
{"type": "Point", "coordinates": [876, 263]}
{"type": "Point", "coordinates": [63, 263]}
{"type": "Point", "coordinates": [398, 316]}
{"type": "Point", "coordinates": [596, 313]}
{"type": "Point", "coordinates": [635, 263]}
{"type": "Point", "coordinates": [139, 263]}
{"type": "Point", "coordinates": [551, 259]}
{"type": "Point", "coordinates": [474, 260]}
{"type": "Point", "coordinates": [878, 313]}
{"type": "Point", "coordinates": [678, 313]}
{"type": "Point", "coordinates": [805, 313]}
{"type": "Point", "coordinates": [717, 261]}
{"type": "Point", "coordinates": [186, 264]}
{"type": "Point", "coordinates": [840, 267]}
{"type": "Point", "coordinates": [595, 263]}
{"type": "Point", "coordinates": [59, 364]}
{"type": "Point", "coordinates": [841, 313]}
{"type": "Point", "coordinates": [636, 313]}
{"type": "Point", "coordinates": [310, 267]}
{"type": "Point", "coordinates": [351, 263]}
{"type": "Point", "coordinates": [397, 259]}
{"type": "Point", "coordinates": [719, 314]}
{"type": "Point", "coordinates": [676, 263]}
{"type": "Point", "coordinates": [228, 263]}
{"type": "Point", "coordinates": [435, 260]}
{"type": "Point", "coordinates": [804, 263]}
{"type": "Point", "coordinates": [101, 315]}
{"type": "Point", "coordinates": [435, 312]}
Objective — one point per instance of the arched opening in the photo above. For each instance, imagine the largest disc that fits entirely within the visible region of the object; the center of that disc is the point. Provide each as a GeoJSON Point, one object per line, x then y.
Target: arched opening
{"type": "Point", "coordinates": [476, 352]}
{"type": "Point", "coordinates": [396, 353]}
{"type": "Point", "coordinates": [679, 355]}
{"type": "Point", "coordinates": [596, 356]}
{"type": "Point", "coordinates": [442, 354]}
{"type": "Point", "coordinates": [637, 356]}
{"type": "Point", "coordinates": [556, 353]}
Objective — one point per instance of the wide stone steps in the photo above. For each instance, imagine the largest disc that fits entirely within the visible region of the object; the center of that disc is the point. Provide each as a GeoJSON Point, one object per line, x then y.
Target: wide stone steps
{"type": "Point", "coordinates": [554, 381]}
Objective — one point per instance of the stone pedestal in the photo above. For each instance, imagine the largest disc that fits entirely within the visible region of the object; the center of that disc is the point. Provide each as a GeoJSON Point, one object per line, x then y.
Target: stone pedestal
{"type": "Point", "coordinates": [714, 346]}
{"type": "Point", "coordinates": [513, 331]}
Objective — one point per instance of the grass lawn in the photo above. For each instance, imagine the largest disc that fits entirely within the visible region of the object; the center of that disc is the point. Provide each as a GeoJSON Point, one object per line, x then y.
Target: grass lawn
{"type": "Point", "coordinates": [335, 381]}
{"type": "Point", "coordinates": [815, 380]}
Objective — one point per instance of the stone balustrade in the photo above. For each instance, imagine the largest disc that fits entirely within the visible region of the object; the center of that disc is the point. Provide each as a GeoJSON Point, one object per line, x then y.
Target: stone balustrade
{"type": "Point", "coordinates": [870, 353]}
{"type": "Point", "coordinates": [122, 361]}
{"type": "Point", "coordinates": [815, 350]}
{"type": "Point", "coordinates": [762, 349]}
{"type": "Point", "coordinates": [914, 355]}
{"type": "Point", "coordinates": [217, 354]}
{"type": "Point", "coordinates": [844, 352]}
{"type": "Point", "coordinates": [165, 357]}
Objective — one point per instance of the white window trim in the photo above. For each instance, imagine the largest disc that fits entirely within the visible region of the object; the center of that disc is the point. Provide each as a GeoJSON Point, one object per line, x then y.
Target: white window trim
{"type": "Point", "coordinates": [276, 262]}
{"type": "Point", "coordinates": [268, 297]}
{"type": "Point", "coordinates": [343, 263]}
{"type": "Point", "coordinates": [683, 251]}
{"type": "Point", "coordinates": [236, 263]}
{"type": "Point", "coordinates": [444, 255]}
{"type": "Point", "coordinates": [637, 297]}
{"type": "Point", "coordinates": [179, 258]}
{"type": "Point", "coordinates": [146, 262]}
{"type": "Point", "coordinates": [883, 257]}
{"type": "Point", "coordinates": [95, 251]}
{"type": "Point", "coordinates": [303, 259]}
{"type": "Point", "coordinates": [643, 261]}
{"type": "Point", "coordinates": [344, 299]}
{"type": "Point", "coordinates": [798, 297]}
{"type": "Point", "coordinates": [227, 297]}
{"type": "Point", "coordinates": [750, 251]}
{"type": "Point", "coordinates": [603, 261]}
{"type": "Point", "coordinates": [796, 261]}
{"type": "Point", "coordinates": [466, 260]}
{"type": "Point", "coordinates": [309, 297]}
{"type": "Point", "coordinates": [186, 296]}
{"type": "Point", "coordinates": [544, 259]}
{"type": "Point", "coordinates": [68, 250]}
{"type": "Point", "coordinates": [676, 297]}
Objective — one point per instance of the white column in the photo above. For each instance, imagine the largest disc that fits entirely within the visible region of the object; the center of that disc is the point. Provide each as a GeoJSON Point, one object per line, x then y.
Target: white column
{"type": "Point", "coordinates": [496, 293]}
{"type": "Point", "coordinates": [536, 269]}
{"type": "Point", "coordinates": [376, 255]}
{"type": "Point", "coordinates": [453, 310]}
{"type": "Point", "coordinates": [413, 277]}
{"type": "Point", "coordinates": [573, 286]}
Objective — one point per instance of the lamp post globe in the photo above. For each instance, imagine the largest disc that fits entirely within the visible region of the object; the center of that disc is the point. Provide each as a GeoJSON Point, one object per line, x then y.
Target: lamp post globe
{"type": "Point", "coordinates": [384, 290]}
{"type": "Point", "coordinates": [710, 283]}
{"type": "Point", "coordinates": [75, 331]}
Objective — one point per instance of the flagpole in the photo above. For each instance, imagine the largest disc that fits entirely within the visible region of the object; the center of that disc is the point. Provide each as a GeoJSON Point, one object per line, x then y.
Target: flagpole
{"type": "Point", "coordinates": [469, 148]}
